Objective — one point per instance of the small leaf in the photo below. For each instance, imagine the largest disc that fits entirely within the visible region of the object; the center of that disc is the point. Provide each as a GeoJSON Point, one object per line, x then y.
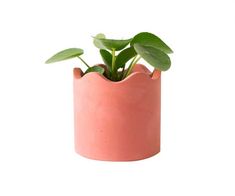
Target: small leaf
{"type": "Point", "coordinates": [153, 56]}
{"type": "Point", "coordinates": [97, 42]}
{"type": "Point", "coordinates": [65, 54]}
{"type": "Point", "coordinates": [124, 56]}
{"type": "Point", "coordinates": [107, 58]}
{"type": "Point", "coordinates": [95, 68]}
{"type": "Point", "coordinates": [112, 44]}
{"type": "Point", "coordinates": [150, 39]}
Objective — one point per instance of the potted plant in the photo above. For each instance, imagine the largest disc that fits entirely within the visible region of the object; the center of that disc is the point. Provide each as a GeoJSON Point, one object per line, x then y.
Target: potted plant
{"type": "Point", "coordinates": [117, 107]}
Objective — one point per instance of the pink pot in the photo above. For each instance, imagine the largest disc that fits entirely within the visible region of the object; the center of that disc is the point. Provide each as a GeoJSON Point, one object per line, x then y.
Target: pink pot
{"type": "Point", "coordinates": [117, 121]}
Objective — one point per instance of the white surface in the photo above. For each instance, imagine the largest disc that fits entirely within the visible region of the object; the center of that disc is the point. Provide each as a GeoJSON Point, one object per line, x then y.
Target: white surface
{"type": "Point", "coordinates": [36, 109]}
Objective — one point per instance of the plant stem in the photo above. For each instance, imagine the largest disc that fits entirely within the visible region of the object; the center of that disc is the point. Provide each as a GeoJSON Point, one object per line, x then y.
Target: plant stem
{"type": "Point", "coordinates": [123, 71]}
{"type": "Point", "coordinates": [113, 59]}
{"type": "Point", "coordinates": [83, 61]}
{"type": "Point", "coordinates": [134, 61]}
{"type": "Point", "coordinates": [124, 74]}
{"type": "Point", "coordinates": [113, 63]}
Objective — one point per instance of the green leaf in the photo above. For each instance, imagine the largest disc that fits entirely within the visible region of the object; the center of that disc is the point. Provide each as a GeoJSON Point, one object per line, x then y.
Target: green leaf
{"type": "Point", "coordinates": [150, 39]}
{"type": "Point", "coordinates": [153, 56]}
{"type": "Point", "coordinates": [112, 44]}
{"type": "Point", "coordinates": [95, 68]}
{"type": "Point", "coordinates": [97, 42]}
{"type": "Point", "coordinates": [107, 58]}
{"type": "Point", "coordinates": [124, 56]}
{"type": "Point", "coordinates": [65, 54]}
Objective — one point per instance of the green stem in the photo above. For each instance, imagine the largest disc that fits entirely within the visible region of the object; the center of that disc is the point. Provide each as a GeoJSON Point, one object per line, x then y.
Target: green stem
{"type": "Point", "coordinates": [123, 71]}
{"type": "Point", "coordinates": [83, 61]}
{"type": "Point", "coordinates": [124, 74]}
{"type": "Point", "coordinates": [134, 61]}
{"type": "Point", "coordinates": [113, 63]}
{"type": "Point", "coordinates": [113, 59]}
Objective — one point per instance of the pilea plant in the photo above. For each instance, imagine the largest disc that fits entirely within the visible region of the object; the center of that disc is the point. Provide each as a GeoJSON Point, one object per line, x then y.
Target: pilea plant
{"type": "Point", "coordinates": [143, 45]}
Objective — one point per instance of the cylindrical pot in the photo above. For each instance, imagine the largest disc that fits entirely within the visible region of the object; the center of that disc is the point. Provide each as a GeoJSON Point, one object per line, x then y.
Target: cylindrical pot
{"type": "Point", "coordinates": [117, 121]}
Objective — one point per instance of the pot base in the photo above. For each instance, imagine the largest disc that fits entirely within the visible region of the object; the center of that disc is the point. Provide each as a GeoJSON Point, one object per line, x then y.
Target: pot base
{"type": "Point", "coordinates": [118, 159]}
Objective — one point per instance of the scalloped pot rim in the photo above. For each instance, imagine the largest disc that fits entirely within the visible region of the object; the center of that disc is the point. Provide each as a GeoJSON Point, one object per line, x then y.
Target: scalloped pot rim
{"type": "Point", "coordinates": [78, 74]}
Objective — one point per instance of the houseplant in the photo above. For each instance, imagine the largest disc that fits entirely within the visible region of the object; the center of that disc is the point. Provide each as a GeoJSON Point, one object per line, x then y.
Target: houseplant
{"type": "Point", "coordinates": [117, 107]}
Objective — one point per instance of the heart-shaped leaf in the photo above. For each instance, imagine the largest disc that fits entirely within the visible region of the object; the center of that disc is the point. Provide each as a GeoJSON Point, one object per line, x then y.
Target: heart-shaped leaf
{"type": "Point", "coordinates": [65, 54]}
{"type": "Point", "coordinates": [124, 56]}
{"type": "Point", "coordinates": [150, 39]}
{"type": "Point", "coordinates": [95, 68]}
{"type": "Point", "coordinates": [112, 44]}
{"type": "Point", "coordinates": [107, 58]}
{"type": "Point", "coordinates": [97, 42]}
{"type": "Point", "coordinates": [153, 56]}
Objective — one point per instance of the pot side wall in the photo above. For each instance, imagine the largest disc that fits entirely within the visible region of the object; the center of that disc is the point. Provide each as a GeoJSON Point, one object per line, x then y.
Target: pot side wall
{"type": "Point", "coordinates": [117, 121]}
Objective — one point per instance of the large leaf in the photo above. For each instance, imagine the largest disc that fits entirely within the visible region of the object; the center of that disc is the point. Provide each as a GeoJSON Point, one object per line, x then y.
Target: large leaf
{"type": "Point", "coordinates": [95, 68]}
{"type": "Point", "coordinates": [107, 58]}
{"type": "Point", "coordinates": [153, 56]}
{"type": "Point", "coordinates": [97, 42]}
{"type": "Point", "coordinates": [112, 44]}
{"type": "Point", "coordinates": [150, 39]}
{"type": "Point", "coordinates": [65, 54]}
{"type": "Point", "coordinates": [124, 56]}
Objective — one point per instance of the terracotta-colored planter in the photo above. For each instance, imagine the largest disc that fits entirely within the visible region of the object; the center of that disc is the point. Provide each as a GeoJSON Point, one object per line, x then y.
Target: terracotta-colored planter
{"type": "Point", "coordinates": [117, 121]}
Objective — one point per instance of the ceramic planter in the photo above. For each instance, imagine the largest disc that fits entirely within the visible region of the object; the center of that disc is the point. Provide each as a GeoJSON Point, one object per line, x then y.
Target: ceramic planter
{"type": "Point", "coordinates": [117, 121]}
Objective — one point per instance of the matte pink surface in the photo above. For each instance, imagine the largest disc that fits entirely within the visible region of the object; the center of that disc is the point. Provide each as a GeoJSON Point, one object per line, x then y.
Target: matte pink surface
{"type": "Point", "coordinates": [117, 121]}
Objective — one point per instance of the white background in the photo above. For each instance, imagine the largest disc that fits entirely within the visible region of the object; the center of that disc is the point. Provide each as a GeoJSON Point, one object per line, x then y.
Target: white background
{"type": "Point", "coordinates": [36, 110]}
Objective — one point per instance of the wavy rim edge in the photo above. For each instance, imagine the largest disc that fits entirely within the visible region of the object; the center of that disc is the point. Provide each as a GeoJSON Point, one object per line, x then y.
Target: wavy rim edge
{"type": "Point", "coordinates": [156, 74]}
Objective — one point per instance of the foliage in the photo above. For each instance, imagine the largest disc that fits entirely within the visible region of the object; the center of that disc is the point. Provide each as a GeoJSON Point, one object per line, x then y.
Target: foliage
{"type": "Point", "coordinates": [143, 45]}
